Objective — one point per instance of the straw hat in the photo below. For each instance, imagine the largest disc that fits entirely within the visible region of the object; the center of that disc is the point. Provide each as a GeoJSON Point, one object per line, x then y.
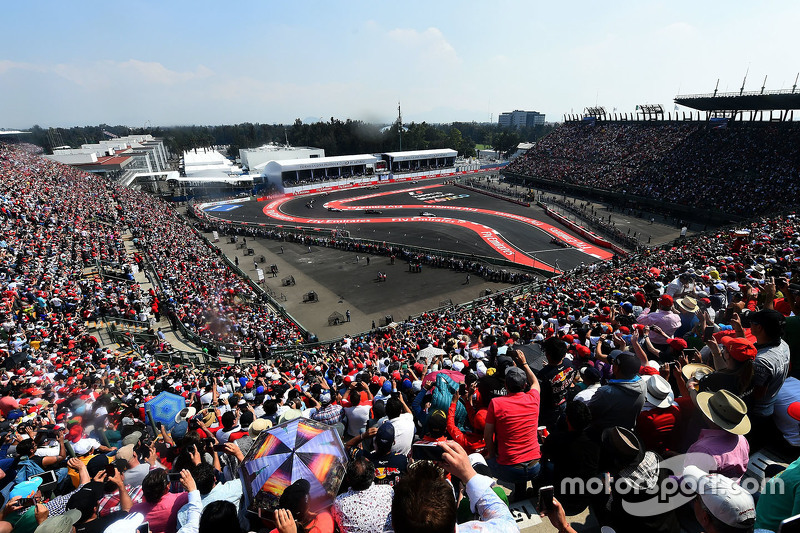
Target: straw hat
{"type": "Point", "coordinates": [687, 304]}
{"type": "Point", "coordinates": [690, 371]}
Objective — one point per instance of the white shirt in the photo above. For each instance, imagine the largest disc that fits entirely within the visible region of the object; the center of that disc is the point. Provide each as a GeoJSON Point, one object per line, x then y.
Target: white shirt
{"type": "Point", "coordinates": [586, 394]}
{"type": "Point", "coordinates": [357, 418]}
{"type": "Point", "coordinates": [403, 433]}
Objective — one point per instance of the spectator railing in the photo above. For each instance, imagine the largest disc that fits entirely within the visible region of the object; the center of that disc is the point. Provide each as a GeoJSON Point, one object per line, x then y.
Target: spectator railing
{"type": "Point", "coordinates": [620, 200]}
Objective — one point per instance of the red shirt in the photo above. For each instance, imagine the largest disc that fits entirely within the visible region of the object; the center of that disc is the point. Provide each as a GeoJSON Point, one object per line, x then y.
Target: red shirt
{"type": "Point", "coordinates": [515, 419]}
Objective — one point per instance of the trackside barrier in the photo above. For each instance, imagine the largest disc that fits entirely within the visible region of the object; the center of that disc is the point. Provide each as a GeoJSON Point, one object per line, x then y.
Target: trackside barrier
{"type": "Point", "coordinates": [580, 230]}
{"type": "Point", "coordinates": [621, 199]}
{"type": "Point", "coordinates": [492, 194]}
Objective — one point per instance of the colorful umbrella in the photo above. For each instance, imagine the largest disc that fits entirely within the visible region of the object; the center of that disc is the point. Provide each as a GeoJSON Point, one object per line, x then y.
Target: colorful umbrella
{"type": "Point", "coordinates": [164, 407]}
{"type": "Point", "coordinates": [300, 448]}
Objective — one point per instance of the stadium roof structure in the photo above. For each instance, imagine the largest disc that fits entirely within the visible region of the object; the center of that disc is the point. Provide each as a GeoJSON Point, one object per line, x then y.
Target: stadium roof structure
{"type": "Point", "coordinates": [742, 101]}
{"type": "Point", "coordinates": [288, 165]}
{"type": "Point", "coordinates": [412, 155]}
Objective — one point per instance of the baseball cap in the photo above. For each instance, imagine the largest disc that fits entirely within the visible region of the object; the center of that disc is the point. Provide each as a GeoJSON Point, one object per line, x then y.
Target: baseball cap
{"type": "Point", "coordinates": [666, 301]}
{"type": "Point", "coordinates": [504, 362]}
{"type": "Point", "coordinates": [132, 438]}
{"type": "Point", "coordinates": [794, 410]}
{"type": "Point", "coordinates": [385, 436]}
{"type": "Point", "coordinates": [740, 348]}
{"type": "Point", "coordinates": [725, 499]}
{"type": "Point", "coordinates": [516, 377]}
{"type": "Point", "coordinates": [60, 523]}
{"type": "Point", "coordinates": [26, 489]}
{"type": "Point", "coordinates": [628, 362]}
{"type": "Point", "coordinates": [437, 423]}
{"type": "Point", "coordinates": [179, 430]}
{"type": "Point", "coordinates": [677, 344]}
{"type": "Point", "coordinates": [84, 501]}
{"type": "Point", "coordinates": [591, 375]}
{"type": "Point", "coordinates": [96, 464]}
{"type": "Point", "coordinates": [126, 452]}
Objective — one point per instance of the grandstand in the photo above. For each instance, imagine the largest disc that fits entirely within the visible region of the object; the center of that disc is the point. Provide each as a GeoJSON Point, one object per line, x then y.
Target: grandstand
{"type": "Point", "coordinates": [676, 164]}
{"type": "Point", "coordinates": [79, 253]}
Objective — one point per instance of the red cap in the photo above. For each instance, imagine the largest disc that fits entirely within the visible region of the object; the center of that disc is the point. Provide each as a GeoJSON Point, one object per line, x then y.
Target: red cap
{"type": "Point", "coordinates": [582, 350]}
{"type": "Point", "coordinates": [647, 370]}
{"type": "Point", "coordinates": [666, 301]}
{"type": "Point", "coordinates": [740, 348]}
{"type": "Point", "coordinates": [677, 344]}
{"type": "Point", "coordinates": [794, 410]}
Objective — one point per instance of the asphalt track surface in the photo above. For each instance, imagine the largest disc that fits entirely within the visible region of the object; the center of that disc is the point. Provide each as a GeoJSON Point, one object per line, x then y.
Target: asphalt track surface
{"type": "Point", "coordinates": [464, 221]}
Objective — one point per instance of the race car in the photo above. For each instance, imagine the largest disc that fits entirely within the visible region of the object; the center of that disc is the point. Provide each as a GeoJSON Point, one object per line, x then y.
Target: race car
{"type": "Point", "coordinates": [426, 214]}
{"type": "Point", "coordinates": [335, 209]}
{"type": "Point", "coordinates": [372, 211]}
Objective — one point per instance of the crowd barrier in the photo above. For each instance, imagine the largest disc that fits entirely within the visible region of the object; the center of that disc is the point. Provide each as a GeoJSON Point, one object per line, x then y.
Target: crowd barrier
{"type": "Point", "coordinates": [580, 230]}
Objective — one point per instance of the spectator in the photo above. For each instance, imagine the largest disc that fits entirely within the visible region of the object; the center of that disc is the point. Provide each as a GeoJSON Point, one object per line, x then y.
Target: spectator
{"type": "Point", "coordinates": [294, 507]}
{"type": "Point", "coordinates": [721, 505]}
{"type": "Point", "coordinates": [389, 466]}
{"type": "Point", "coordinates": [637, 474]}
{"type": "Point", "coordinates": [555, 379]}
{"type": "Point", "coordinates": [771, 365]}
{"type": "Point", "coordinates": [424, 500]}
{"type": "Point", "coordinates": [569, 453]}
{"type": "Point", "coordinates": [160, 507]}
{"type": "Point", "coordinates": [619, 402]}
{"type": "Point", "coordinates": [403, 421]}
{"type": "Point", "coordinates": [660, 419]}
{"type": "Point", "coordinates": [722, 442]}
{"type": "Point", "coordinates": [511, 424]}
{"type": "Point", "coordinates": [365, 507]}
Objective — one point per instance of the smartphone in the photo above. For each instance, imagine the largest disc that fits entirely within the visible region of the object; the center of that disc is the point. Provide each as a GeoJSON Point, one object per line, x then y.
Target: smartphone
{"type": "Point", "coordinates": [790, 525]}
{"type": "Point", "coordinates": [260, 513]}
{"type": "Point", "coordinates": [27, 502]}
{"type": "Point", "coordinates": [708, 333]}
{"type": "Point", "coordinates": [692, 354]}
{"type": "Point", "coordinates": [173, 476]}
{"type": "Point", "coordinates": [428, 451]}
{"type": "Point", "coordinates": [545, 499]}
{"type": "Point", "coordinates": [144, 528]}
{"type": "Point", "coordinates": [111, 470]}
{"type": "Point", "coordinates": [218, 447]}
{"type": "Point", "coordinates": [47, 477]}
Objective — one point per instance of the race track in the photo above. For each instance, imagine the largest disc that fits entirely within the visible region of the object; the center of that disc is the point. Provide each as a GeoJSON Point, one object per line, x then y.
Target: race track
{"type": "Point", "coordinates": [458, 220]}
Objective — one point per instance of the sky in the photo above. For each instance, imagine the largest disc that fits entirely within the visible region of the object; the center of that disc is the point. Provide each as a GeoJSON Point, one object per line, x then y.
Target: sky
{"type": "Point", "coordinates": [162, 63]}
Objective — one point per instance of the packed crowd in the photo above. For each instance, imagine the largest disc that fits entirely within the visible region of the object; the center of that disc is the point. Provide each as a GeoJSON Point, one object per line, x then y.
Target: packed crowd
{"type": "Point", "coordinates": [688, 354]}
{"type": "Point", "coordinates": [687, 163]}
